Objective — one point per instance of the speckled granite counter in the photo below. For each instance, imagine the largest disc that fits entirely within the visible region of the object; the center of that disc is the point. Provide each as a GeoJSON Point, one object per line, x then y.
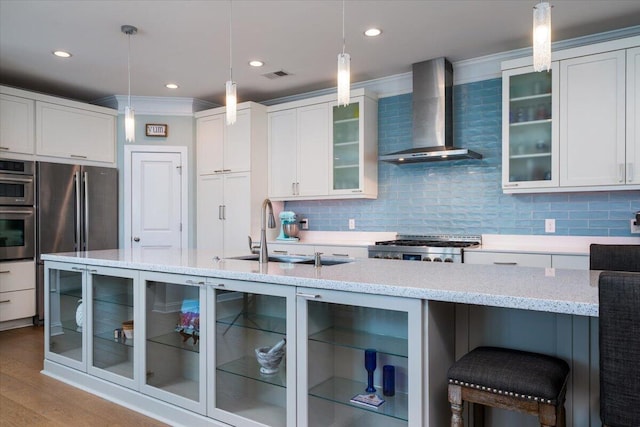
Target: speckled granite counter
{"type": "Point", "coordinates": [549, 290]}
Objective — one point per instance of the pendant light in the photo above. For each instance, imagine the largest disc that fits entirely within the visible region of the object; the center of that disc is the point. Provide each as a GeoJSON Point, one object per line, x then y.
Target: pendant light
{"type": "Point", "coordinates": [129, 119]}
{"type": "Point", "coordinates": [542, 36]}
{"type": "Point", "coordinates": [231, 88]}
{"type": "Point", "coordinates": [344, 70]}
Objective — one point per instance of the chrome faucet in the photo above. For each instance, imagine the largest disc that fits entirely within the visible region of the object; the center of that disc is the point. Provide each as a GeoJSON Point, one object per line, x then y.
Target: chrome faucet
{"type": "Point", "coordinates": [263, 256]}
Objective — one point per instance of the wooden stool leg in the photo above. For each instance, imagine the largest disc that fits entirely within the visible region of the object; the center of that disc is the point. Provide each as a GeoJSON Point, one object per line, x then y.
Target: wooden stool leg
{"type": "Point", "coordinates": [455, 398]}
{"type": "Point", "coordinates": [478, 415]}
{"type": "Point", "coordinates": [548, 415]}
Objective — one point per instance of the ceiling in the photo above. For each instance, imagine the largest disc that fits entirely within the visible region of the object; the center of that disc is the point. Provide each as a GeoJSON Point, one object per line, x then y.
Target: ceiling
{"type": "Point", "coordinates": [187, 42]}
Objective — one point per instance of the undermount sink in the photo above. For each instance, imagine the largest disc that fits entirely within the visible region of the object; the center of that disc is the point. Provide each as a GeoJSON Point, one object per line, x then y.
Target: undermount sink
{"type": "Point", "coordinates": [295, 259]}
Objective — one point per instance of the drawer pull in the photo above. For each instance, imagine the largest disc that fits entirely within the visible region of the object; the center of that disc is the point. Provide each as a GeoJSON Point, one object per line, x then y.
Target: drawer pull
{"type": "Point", "coordinates": [220, 285]}
{"type": "Point", "coordinates": [77, 268]}
{"type": "Point", "coordinates": [505, 263]}
{"type": "Point", "coordinates": [5, 271]}
{"type": "Point", "coordinates": [307, 296]}
{"type": "Point", "coordinates": [345, 255]}
{"type": "Point", "coordinates": [280, 252]}
{"type": "Point", "coordinates": [5, 300]}
{"type": "Point", "coordinates": [4, 148]}
{"type": "Point", "coordinates": [77, 156]}
{"type": "Point", "coordinates": [193, 282]}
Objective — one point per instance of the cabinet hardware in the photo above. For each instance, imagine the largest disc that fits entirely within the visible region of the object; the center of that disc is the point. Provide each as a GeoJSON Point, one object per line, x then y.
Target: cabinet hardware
{"type": "Point", "coordinates": [293, 188]}
{"type": "Point", "coordinates": [505, 263]}
{"type": "Point", "coordinates": [136, 239]}
{"type": "Point", "coordinates": [78, 268]}
{"type": "Point", "coordinates": [629, 172]}
{"type": "Point", "coordinates": [27, 180]}
{"type": "Point", "coordinates": [4, 148]}
{"type": "Point", "coordinates": [193, 282]}
{"type": "Point", "coordinates": [217, 171]}
{"type": "Point", "coordinates": [308, 296]}
{"type": "Point", "coordinates": [280, 252]}
{"type": "Point", "coordinates": [93, 271]}
{"type": "Point", "coordinates": [5, 300]}
{"type": "Point", "coordinates": [226, 170]}
{"type": "Point", "coordinates": [510, 185]}
{"type": "Point", "coordinates": [621, 172]}
{"type": "Point", "coordinates": [5, 271]}
{"type": "Point", "coordinates": [220, 212]}
{"type": "Point", "coordinates": [345, 255]}
{"type": "Point", "coordinates": [356, 191]}
{"type": "Point", "coordinates": [77, 156]}
{"type": "Point", "coordinates": [219, 285]}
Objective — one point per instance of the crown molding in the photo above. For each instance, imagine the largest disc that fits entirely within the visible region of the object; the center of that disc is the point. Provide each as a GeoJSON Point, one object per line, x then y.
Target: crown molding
{"type": "Point", "coordinates": [156, 105]}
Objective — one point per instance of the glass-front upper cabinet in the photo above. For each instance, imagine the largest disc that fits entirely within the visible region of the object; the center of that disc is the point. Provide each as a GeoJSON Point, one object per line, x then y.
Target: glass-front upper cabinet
{"type": "Point", "coordinates": [252, 354]}
{"type": "Point", "coordinates": [363, 364]}
{"type": "Point", "coordinates": [111, 320]}
{"type": "Point", "coordinates": [353, 148]}
{"type": "Point", "coordinates": [174, 340]}
{"type": "Point", "coordinates": [65, 288]}
{"type": "Point", "coordinates": [530, 128]}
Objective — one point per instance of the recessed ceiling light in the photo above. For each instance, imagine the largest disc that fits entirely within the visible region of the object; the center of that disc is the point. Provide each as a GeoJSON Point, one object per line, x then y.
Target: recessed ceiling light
{"type": "Point", "coordinates": [372, 32]}
{"type": "Point", "coordinates": [171, 86]}
{"type": "Point", "coordinates": [61, 54]}
{"type": "Point", "coordinates": [256, 63]}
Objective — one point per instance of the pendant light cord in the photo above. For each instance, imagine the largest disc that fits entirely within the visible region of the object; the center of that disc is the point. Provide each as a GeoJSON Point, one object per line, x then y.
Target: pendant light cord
{"type": "Point", "coordinates": [129, 67]}
{"type": "Point", "coordinates": [230, 40]}
{"type": "Point", "coordinates": [343, 37]}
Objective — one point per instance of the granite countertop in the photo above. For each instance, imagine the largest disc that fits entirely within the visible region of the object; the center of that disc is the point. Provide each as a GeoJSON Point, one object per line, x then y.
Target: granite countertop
{"type": "Point", "coordinates": [539, 289]}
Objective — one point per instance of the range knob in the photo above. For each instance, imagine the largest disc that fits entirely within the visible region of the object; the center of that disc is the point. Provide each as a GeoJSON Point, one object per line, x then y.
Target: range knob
{"type": "Point", "coordinates": [377, 256]}
{"type": "Point", "coordinates": [426, 259]}
{"type": "Point", "coordinates": [388, 257]}
{"type": "Point", "coordinates": [397, 257]}
{"type": "Point", "coordinates": [448, 260]}
{"type": "Point", "coordinates": [437, 260]}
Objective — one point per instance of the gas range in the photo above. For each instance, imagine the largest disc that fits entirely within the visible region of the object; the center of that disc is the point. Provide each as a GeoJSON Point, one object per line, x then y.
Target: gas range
{"type": "Point", "coordinates": [434, 248]}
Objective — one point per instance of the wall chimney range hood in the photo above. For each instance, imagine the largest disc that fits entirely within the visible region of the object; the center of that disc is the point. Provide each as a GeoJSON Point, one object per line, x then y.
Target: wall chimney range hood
{"type": "Point", "coordinates": [432, 117]}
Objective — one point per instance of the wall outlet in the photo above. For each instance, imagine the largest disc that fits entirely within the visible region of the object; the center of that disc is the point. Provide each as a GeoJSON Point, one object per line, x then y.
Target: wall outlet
{"type": "Point", "coordinates": [304, 223]}
{"type": "Point", "coordinates": [352, 224]}
{"type": "Point", "coordinates": [635, 229]}
{"type": "Point", "coordinates": [549, 225]}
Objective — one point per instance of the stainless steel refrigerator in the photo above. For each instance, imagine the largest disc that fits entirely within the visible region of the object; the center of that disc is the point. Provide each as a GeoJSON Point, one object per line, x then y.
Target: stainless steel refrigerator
{"type": "Point", "coordinates": [76, 210]}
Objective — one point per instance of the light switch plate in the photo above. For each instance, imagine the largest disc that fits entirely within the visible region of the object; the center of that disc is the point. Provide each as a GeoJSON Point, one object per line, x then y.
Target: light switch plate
{"type": "Point", "coordinates": [549, 225]}
{"type": "Point", "coordinates": [352, 224]}
{"type": "Point", "coordinates": [635, 229]}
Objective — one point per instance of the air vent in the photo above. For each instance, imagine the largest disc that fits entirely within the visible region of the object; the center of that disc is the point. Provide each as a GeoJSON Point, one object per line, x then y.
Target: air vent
{"type": "Point", "coordinates": [276, 74]}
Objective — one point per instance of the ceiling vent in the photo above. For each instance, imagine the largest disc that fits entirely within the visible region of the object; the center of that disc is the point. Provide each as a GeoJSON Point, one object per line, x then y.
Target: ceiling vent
{"type": "Point", "coordinates": [276, 74]}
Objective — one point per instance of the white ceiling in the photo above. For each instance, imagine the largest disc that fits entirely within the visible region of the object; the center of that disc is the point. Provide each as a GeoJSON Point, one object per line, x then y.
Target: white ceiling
{"type": "Point", "coordinates": [187, 42]}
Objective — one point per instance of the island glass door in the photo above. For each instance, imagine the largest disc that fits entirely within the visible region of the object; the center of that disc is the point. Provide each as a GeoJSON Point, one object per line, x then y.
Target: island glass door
{"type": "Point", "coordinates": [174, 339]}
{"type": "Point", "coordinates": [65, 312]}
{"type": "Point", "coordinates": [345, 337]}
{"type": "Point", "coordinates": [111, 322]}
{"type": "Point", "coordinates": [247, 322]}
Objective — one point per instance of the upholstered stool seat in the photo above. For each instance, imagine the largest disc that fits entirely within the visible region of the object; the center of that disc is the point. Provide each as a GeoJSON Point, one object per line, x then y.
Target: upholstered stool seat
{"type": "Point", "coordinates": [509, 379]}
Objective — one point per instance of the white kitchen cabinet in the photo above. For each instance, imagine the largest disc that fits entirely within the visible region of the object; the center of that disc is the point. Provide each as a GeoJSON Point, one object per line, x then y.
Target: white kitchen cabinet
{"type": "Point", "coordinates": [592, 120]}
{"type": "Point", "coordinates": [17, 124]}
{"type": "Point", "coordinates": [247, 316]}
{"type": "Point", "coordinates": [232, 178]}
{"type": "Point", "coordinates": [224, 213]}
{"type": "Point", "coordinates": [633, 116]}
{"type": "Point", "coordinates": [334, 330]}
{"type": "Point", "coordinates": [530, 128]}
{"type": "Point", "coordinates": [325, 250]}
{"type": "Point", "coordinates": [173, 340]}
{"type": "Point", "coordinates": [318, 150]}
{"type": "Point", "coordinates": [291, 249]}
{"type": "Point", "coordinates": [70, 132]}
{"type": "Point", "coordinates": [354, 150]}
{"type": "Point", "coordinates": [572, 262]}
{"type": "Point", "coordinates": [298, 152]}
{"type": "Point", "coordinates": [17, 293]}
{"type": "Point", "coordinates": [507, 258]}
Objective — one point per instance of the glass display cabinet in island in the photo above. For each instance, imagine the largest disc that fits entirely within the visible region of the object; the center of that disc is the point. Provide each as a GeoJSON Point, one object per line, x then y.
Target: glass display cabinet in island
{"type": "Point", "coordinates": [174, 339]}
{"type": "Point", "coordinates": [530, 128]}
{"type": "Point", "coordinates": [252, 371]}
{"type": "Point", "coordinates": [343, 338]}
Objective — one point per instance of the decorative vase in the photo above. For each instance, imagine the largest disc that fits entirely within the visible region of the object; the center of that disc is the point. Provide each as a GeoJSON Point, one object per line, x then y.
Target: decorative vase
{"type": "Point", "coordinates": [79, 315]}
{"type": "Point", "coordinates": [370, 366]}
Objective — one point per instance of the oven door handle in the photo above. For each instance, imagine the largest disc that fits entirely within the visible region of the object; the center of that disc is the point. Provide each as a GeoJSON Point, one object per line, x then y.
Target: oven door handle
{"type": "Point", "coordinates": [76, 177]}
{"type": "Point", "coordinates": [85, 240]}
{"type": "Point", "coordinates": [12, 179]}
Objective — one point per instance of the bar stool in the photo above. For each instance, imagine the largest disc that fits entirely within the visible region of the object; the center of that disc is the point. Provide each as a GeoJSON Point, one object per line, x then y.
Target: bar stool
{"type": "Point", "coordinates": [614, 257]}
{"type": "Point", "coordinates": [509, 379]}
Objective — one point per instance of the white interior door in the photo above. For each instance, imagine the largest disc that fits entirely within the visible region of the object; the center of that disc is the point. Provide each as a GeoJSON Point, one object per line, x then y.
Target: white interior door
{"type": "Point", "coordinates": [156, 198]}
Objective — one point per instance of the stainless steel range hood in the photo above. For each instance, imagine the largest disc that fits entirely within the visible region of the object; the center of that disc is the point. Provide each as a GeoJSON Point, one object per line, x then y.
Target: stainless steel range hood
{"type": "Point", "coordinates": [432, 117]}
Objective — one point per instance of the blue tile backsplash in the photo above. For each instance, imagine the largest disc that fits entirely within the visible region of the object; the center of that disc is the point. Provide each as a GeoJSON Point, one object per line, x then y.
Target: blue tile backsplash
{"type": "Point", "coordinates": [464, 197]}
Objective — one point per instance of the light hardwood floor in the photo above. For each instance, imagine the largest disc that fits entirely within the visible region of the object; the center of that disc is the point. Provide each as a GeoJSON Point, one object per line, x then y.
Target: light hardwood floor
{"type": "Point", "coordinates": [29, 398]}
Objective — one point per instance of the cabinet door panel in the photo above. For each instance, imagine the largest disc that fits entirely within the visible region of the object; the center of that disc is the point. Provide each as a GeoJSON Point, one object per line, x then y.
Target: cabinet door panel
{"type": "Point", "coordinates": [592, 117]}
{"type": "Point", "coordinates": [237, 214]}
{"type": "Point", "coordinates": [210, 137]}
{"type": "Point", "coordinates": [313, 154]}
{"type": "Point", "coordinates": [209, 220]}
{"type": "Point", "coordinates": [282, 153]}
{"type": "Point", "coordinates": [237, 144]}
{"type": "Point", "coordinates": [17, 124]}
{"type": "Point", "coordinates": [633, 116]}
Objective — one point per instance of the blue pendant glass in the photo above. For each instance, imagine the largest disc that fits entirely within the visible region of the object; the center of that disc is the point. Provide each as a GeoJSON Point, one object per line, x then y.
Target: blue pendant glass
{"type": "Point", "coordinates": [370, 366]}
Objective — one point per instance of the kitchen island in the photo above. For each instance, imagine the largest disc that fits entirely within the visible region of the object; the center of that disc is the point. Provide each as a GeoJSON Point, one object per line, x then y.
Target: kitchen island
{"type": "Point", "coordinates": [329, 315]}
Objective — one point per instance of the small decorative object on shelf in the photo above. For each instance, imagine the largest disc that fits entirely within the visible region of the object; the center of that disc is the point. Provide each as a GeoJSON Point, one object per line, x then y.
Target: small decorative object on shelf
{"type": "Point", "coordinates": [372, 400]}
{"type": "Point", "coordinates": [370, 366]}
{"type": "Point", "coordinates": [127, 329]}
{"type": "Point", "coordinates": [269, 358]}
{"type": "Point", "coordinates": [189, 320]}
{"type": "Point", "coordinates": [388, 380]}
{"type": "Point", "coordinates": [79, 316]}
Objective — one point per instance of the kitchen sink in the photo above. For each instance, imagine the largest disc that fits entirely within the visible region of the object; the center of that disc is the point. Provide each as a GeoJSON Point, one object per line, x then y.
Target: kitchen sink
{"type": "Point", "coordinates": [296, 259]}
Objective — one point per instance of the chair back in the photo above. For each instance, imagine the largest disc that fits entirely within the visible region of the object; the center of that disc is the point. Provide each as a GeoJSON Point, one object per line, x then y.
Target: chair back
{"type": "Point", "coordinates": [614, 257]}
{"type": "Point", "coordinates": [619, 308]}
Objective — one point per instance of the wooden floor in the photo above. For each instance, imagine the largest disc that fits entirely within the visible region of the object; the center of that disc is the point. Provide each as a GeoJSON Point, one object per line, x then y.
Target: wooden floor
{"type": "Point", "coordinates": [29, 398]}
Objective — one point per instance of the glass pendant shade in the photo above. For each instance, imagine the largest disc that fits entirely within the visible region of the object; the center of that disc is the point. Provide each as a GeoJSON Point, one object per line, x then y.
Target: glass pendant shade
{"type": "Point", "coordinates": [129, 124]}
{"type": "Point", "coordinates": [542, 37]}
{"type": "Point", "coordinates": [344, 78]}
{"type": "Point", "coordinates": [232, 102]}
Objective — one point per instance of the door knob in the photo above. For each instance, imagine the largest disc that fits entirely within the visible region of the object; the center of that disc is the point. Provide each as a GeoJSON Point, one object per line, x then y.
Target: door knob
{"type": "Point", "coordinates": [136, 239]}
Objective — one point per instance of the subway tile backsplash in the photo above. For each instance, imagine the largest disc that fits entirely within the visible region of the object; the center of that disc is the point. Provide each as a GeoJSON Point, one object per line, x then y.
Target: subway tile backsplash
{"type": "Point", "coordinates": [464, 197]}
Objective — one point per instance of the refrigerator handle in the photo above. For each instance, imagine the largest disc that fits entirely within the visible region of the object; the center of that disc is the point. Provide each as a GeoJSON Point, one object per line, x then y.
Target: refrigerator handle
{"type": "Point", "coordinates": [76, 177]}
{"type": "Point", "coordinates": [85, 241]}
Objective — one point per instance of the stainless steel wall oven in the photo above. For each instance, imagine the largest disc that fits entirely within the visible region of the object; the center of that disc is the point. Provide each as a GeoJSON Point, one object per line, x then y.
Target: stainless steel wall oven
{"type": "Point", "coordinates": [17, 216]}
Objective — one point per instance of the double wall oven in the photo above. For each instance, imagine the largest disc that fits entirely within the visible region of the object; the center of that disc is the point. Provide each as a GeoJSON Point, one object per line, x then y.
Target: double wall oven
{"type": "Point", "coordinates": [17, 216]}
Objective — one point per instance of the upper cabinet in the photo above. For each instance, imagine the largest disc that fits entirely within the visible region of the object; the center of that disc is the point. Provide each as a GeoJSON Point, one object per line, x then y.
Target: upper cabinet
{"type": "Point", "coordinates": [318, 150]}
{"type": "Point", "coordinates": [16, 124]}
{"type": "Point", "coordinates": [573, 128]}
{"type": "Point", "coordinates": [41, 127]}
